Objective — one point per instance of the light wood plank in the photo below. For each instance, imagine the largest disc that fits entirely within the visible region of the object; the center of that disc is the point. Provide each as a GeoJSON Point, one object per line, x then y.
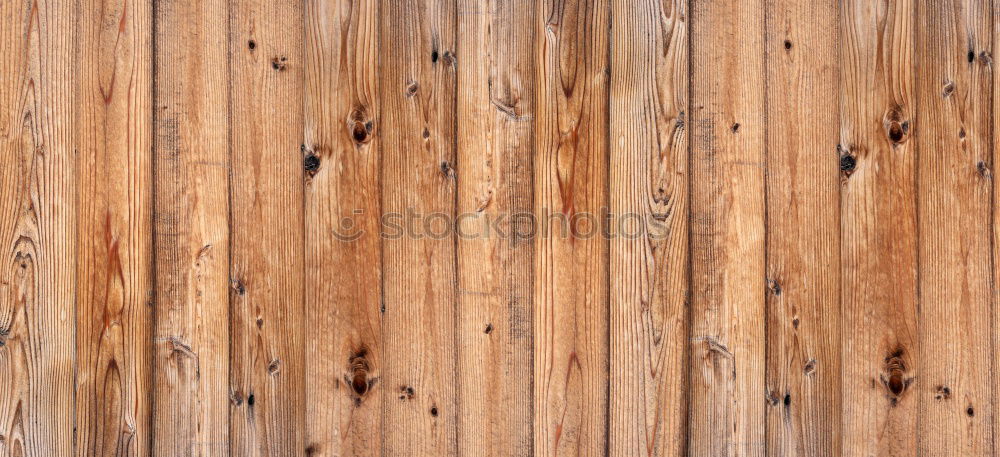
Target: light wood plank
{"type": "Point", "coordinates": [954, 193]}
{"type": "Point", "coordinates": [727, 229]}
{"type": "Point", "coordinates": [344, 385]}
{"type": "Point", "coordinates": [114, 266]}
{"type": "Point", "coordinates": [803, 228]}
{"type": "Point", "coordinates": [37, 227]}
{"type": "Point", "coordinates": [494, 169]}
{"type": "Point", "coordinates": [649, 256]}
{"type": "Point", "coordinates": [267, 356]}
{"type": "Point", "coordinates": [417, 134]}
{"type": "Point", "coordinates": [571, 264]}
{"type": "Point", "coordinates": [878, 229]}
{"type": "Point", "coordinates": [191, 339]}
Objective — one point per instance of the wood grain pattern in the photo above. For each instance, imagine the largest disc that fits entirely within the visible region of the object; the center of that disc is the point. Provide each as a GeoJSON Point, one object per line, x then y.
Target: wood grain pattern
{"type": "Point", "coordinates": [191, 159]}
{"type": "Point", "coordinates": [954, 192]}
{"type": "Point", "coordinates": [878, 229]}
{"type": "Point", "coordinates": [417, 135]}
{"type": "Point", "coordinates": [37, 228]}
{"type": "Point", "coordinates": [495, 110]}
{"type": "Point", "coordinates": [649, 261]}
{"type": "Point", "coordinates": [114, 237]}
{"type": "Point", "coordinates": [803, 229]}
{"type": "Point", "coordinates": [571, 260]}
{"type": "Point", "coordinates": [344, 384]}
{"type": "Point", "coordinates": [500, 227]}
{"type": "Point", "coordinates": [267, 355]}
{"type": "Point", "coordinates": [727, 230]}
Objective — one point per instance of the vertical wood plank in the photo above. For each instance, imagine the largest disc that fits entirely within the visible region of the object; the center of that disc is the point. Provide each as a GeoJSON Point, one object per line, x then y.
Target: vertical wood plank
{"type": "Point", "coordinates": [803, 228]}
{"type": "Point", "coordinates": [571, 196]}
{"type": "Point", "coordinates": [878, 226]}
{"type": "Point", "coordinates": [191, 108]}
{"type": "Point", "coordinates": [727, 229]}
{"type": "Point", "coordinates": [417, 101]}
{"type": "Point", "coordinates": [343, 259]}
{"type": "Point", "coordinates": [995, 234]}
{"type": "Point", "coordinates": [267, 413]}
{"type": "Point", "coordinates": [495, 111]}
{"type": "Point", "coordinates": [649, 256]}
{"type": "Point", "coordinates": [37, 227]}
{"type": "Point", "coordinates": [115, 290]}
{"type": "Point", "coordinates": [954, 185]}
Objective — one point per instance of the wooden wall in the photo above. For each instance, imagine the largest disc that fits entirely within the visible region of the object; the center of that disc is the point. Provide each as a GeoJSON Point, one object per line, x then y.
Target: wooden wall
{"type": "Point", "coordinates": [201, 250]}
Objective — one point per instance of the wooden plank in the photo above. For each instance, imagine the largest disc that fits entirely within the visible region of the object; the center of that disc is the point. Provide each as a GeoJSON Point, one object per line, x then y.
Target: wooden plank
{"type": "Point", "coordinates": [191, 338]}
{"type": "Point", "coordinates": [649, 262]}
{"type": "Point", "coordinates": [995, 234]}
{"type": "Point", "coordinates": [114, 265]}
{"type": "Point", "coordinates": [495, 101]}
{"type": "Point", "coordinates": [954, 185]}
{"type": "Point", "coordinates": [343, 260]}
{"type": "Point", "coordinates": [878, 229]}
{"type": "Point", "coordinates": [571, 264]}
{"type": "Point", "coordinates": [727, 229]}
{"type": "Point", "coordinates": [417, 133]}
{"type": "Point", "coordinates": [37, 227]}
{"type": "Point", "coordinates": [267, 413]}
{"type": "Point", "coordinates": [803, 228]}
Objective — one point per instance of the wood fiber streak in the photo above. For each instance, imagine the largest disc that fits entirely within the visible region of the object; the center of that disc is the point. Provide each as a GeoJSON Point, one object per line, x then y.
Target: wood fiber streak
{"type": "Point", "coordinates": [803, 228]}
{"type": "Point", "coordinates": [727, 229]}
{"type": "Point", "coordinates": [191, 239]}
{"type": "Point", "coordinates": [649, 253]}
{"type": "Point", "coordinates": [495, 115]}
{"type": "Point", "coordinates": [114, 237]}
{"type": "Point", "coordinates": [954, 196]}
{"type": "Point", "coordinates": [880, 362]}
{"type": "Point", "coordinates": [417, 136]}
{"type": "Point", "coordinates": [571, 257]}
{"type": "Point", "coordinates": [267, 352]}
{"type": "Point", "coordinates": [344, 383]}
{"type": "Point", "coordinates": [37, 228]}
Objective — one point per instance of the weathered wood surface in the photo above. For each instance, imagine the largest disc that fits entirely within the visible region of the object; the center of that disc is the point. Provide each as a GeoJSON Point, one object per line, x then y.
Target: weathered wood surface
{"type": "Point", "coordinates": [502, 228]}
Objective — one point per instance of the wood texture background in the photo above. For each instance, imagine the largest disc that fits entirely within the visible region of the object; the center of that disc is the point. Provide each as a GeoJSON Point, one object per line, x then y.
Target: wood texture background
{"type": "Point", "coordinates": [809, 182]}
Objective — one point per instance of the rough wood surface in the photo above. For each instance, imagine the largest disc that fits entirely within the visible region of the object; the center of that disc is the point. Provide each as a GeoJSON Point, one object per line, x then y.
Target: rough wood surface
{"type": "Point", "coordinates": [649, 260]}
{"type": "Point", "coordinates": [727, 229]}
{"type": "Point", "coordinates": [114, 302]}
{"type": "Point", "coordinates": [571, 267]}
{"type": "Point", "coordinates": [803, 229]}
{"type": "Point", "coordinates": [954, 195]}
{"type": "Point", "coordinates": [495, 113]}
{"type": "Point", "coordinates": [879, 299]}
{"type": "Point", "coordinates": [389, 228]}
{"type": "Point", "coordinates": [38, 196]}
{"type": "Point", "coordinates": [267, 352]}
{"type": "Point", "coordinates": [417, 136]}
{"type": "Point", "coordinates": [191, 337]}
{"type": "Point", "coordinates": [344, 384]}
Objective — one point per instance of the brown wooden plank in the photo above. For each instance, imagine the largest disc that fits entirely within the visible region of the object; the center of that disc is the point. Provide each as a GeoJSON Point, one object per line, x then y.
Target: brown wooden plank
{"type": "Point", "coordinates": [878, 229]}
{"type": "Point", "coordinates": [954, 197]}
{"type": "Point", "coordinates": [114, 266]}
{"type": "Point", "coordinates": [649, 195]}
{"type": "Point", "coordinates": [37, 227]}
{"type": "Point", "coordinates": [727, 229]}
{"type": "Point", "coordinates": [995, 234]}
{"type": "Point", "coordinates": [494, 167]}
{"type": "Point", "coordinates": [571, 264]}
{"type": "Point", "coordinates": [343, 260]}
{"type": "Point", "coordinates": [803, 228]}
{"type": "Point", "coordinates": [418, 178]}
{"type": "Point", "coordinates": [267, 413]}
{"type": "Point", "coordinates": [191, 107]}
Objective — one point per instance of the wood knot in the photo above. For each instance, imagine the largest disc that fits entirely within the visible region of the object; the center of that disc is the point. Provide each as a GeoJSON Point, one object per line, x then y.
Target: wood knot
{"type": "Point", "coordinates": [896, 128]}
{"type": "Point", "coordinates": [942, 393]}
{"type": "Point", "coordinates": [810, 368]}
{"type": "Point", "coordinates": [983, 169]}
{"type": "Point", "coordinates": [488, 329]}
{"type": "Point", "coordinates": [238, 287]}
{"type": "Point", "coordinates": [279, 63]}
{"type": "Point", "coordinates": [274, 367]}
{"type": "Point", "coordinates": [412, 88]}
{"type": "Point", "coordinates": [774, 287]}
{"type": "Point", "coordinates": [359, 367]}
{"type": "Point", "coordinates": [447, 170]}
{"type": "Point", "coordinates": [311, 164]}
{"type": "Point", "coordinates": [894, 378]}
{"type": "Point", "coordinates": [788, 45]}
{"type": "Point", "coordinates": [434, 411]}
{"type": "Point", "coordinates": [252, 45]}
{"type": "Point", "coordinates": [406, 393]}
{"type": "Point", "coordinates": [735, 127]}
{"type": "Point", "coordinates": [948, 89]}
